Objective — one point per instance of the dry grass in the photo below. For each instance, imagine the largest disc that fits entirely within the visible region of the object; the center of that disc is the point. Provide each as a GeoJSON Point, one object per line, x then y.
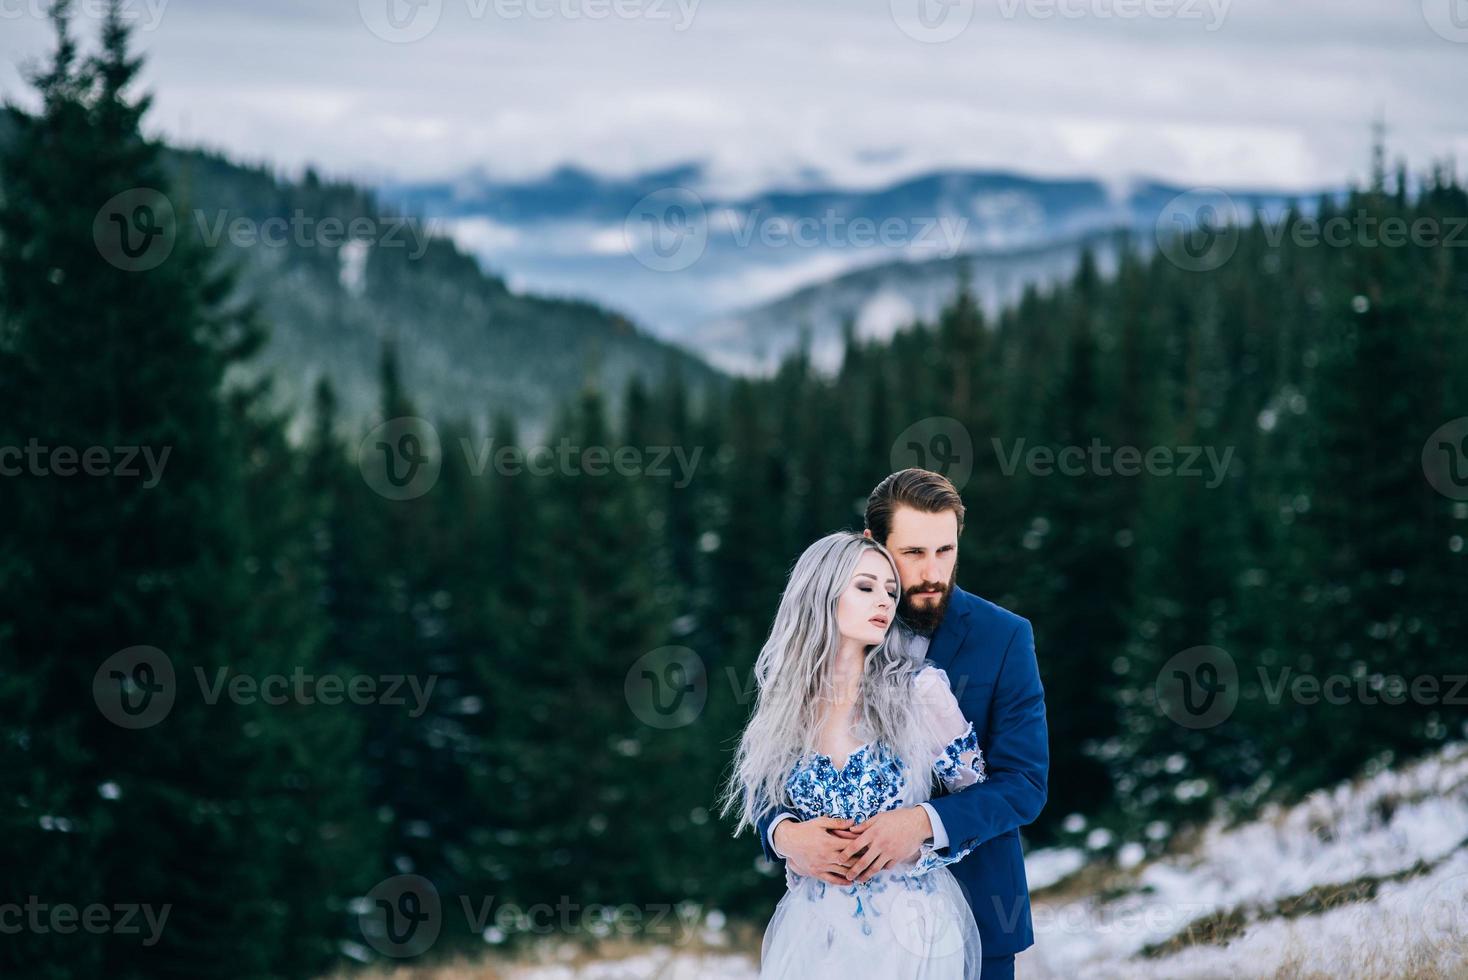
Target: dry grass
{"type": "Point", "coordinates": [742, 939]}
{"type": "Point", "coordinates": [1383, 959]}
{"type": "Point", "coordinates": [1423, 963]}
{"type": "Point", "coordinates": [1224, 925]}
{"type": "Point", "coordinates": [458, 969]}
{"type": "Point", "coordinates": [1097, 879]}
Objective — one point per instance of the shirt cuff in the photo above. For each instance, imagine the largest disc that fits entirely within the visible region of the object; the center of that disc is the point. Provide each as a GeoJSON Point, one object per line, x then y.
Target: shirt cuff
{"type": "Point", "coordinates": [771, 832]}
{"type": "Point", "coordinates": [940, 836]}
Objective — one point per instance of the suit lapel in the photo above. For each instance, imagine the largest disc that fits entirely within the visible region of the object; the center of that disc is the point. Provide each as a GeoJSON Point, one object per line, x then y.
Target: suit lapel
{"type": "Point", "coordinates": [950, 634]}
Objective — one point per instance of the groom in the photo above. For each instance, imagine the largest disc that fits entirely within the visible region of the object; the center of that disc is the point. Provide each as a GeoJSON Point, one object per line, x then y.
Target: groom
{"type": "Point", "coordinates": [989, 655]}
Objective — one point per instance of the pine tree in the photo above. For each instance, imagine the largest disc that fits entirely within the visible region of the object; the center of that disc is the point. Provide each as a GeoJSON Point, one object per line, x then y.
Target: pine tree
{"type": "Point", "coordinates": [117, 334]}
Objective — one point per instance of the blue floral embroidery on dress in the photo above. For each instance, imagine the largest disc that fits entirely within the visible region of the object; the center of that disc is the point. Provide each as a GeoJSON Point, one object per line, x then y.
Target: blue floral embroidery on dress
{"type": "Point", "coordinates": [951, 769]}
{"type": "Point", "coordinates": [872, 782]}
{"type": "Point", "coordinates": [951, 765]}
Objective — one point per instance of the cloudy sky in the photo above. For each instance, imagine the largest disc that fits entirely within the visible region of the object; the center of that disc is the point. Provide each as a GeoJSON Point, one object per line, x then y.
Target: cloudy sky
{"type": "Point", "coordinates": [1231, 92]}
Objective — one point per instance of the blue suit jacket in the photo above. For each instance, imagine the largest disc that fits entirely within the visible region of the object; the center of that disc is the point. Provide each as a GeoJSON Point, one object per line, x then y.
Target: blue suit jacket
{"type": "Point", "coordinates": [989, 654]}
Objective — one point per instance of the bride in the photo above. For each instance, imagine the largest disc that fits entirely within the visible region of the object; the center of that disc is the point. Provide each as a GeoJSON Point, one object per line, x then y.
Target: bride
{"type": "Point", "coordinates": [849, 723]}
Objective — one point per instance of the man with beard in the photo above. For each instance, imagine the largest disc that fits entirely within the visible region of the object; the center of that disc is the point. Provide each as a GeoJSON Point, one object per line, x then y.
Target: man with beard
{"type": "Point", "coordinates": [989, 655]}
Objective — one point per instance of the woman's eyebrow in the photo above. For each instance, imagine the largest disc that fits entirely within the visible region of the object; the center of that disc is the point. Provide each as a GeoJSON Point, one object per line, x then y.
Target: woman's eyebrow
{"type": "Point", "coordinates": [891, 581]}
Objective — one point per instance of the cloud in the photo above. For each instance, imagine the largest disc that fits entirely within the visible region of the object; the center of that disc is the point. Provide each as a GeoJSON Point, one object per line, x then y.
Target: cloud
{"type": "Point", "coordinates": [767, 92]}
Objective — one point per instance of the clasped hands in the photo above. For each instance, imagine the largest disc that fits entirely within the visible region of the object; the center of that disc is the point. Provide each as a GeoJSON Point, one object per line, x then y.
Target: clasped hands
{"type": "Point", "coordinates": [840, 852]}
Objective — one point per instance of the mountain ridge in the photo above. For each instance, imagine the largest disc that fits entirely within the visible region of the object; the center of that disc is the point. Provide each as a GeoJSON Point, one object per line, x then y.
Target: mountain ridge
{"type": "Point", "coordinates": [576, 232]}
{"type": "Point", "coordinates": [468, 345]}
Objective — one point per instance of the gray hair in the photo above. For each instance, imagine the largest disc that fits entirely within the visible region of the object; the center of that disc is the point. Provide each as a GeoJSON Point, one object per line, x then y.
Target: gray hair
{"type": "Point", "coordinates": [793, 677]}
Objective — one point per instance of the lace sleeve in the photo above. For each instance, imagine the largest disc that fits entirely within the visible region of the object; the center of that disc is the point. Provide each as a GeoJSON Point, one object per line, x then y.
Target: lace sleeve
{"type": "Point", "coordinates": [958, 762]}
{"type": "Point", "coordinates": [962, 761]}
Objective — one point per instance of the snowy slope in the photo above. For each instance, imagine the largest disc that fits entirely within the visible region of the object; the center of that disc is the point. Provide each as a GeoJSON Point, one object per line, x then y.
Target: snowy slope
{"type": "Point", "coordinates": [1367, 880]}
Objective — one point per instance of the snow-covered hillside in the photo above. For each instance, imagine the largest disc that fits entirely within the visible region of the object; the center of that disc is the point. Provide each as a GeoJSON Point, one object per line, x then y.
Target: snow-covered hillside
{"type": "Point", "coordinates": [881, 299]}
{"type": "Point", "coordinates": [1368, 880]}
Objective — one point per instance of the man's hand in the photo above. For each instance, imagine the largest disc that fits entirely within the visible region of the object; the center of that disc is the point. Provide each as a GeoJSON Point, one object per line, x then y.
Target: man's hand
{"type": "Point", "coordinates": [886, 839]}
{"type": "Point", "coordinates": [813, 850]}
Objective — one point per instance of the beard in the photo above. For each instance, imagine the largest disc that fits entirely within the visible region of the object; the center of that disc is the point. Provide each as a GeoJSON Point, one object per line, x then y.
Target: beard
{"type": "Point", "coordinates": [926, 617]}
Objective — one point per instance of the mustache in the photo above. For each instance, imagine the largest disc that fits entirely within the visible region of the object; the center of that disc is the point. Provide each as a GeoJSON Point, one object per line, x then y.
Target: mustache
{"type": "Point", "coordinates": [927, 587]}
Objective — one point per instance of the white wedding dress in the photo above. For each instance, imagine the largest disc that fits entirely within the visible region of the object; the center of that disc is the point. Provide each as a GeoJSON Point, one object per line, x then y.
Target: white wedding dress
{"type": "Point", "coordinates": [909, 922]}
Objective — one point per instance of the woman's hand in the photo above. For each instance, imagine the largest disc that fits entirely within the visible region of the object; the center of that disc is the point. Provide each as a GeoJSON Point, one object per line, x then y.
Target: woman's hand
{"type": "Point", "coordinates": [886, 839]}
{"type": "Point", "coordinates": [813, 850]}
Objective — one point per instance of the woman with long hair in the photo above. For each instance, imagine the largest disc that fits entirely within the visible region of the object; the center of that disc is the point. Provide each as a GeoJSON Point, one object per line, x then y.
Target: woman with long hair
{"type": "Point", "coordinates": [851, 722]}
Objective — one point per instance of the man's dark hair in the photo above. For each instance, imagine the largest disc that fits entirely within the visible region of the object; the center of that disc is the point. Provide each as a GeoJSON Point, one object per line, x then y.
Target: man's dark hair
{"type": "Point", "coordinates": [922, 490]}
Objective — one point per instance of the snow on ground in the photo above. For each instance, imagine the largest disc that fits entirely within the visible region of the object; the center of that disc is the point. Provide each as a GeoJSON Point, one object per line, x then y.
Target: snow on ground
{"type": "Point", "coordinates": [1052, 865]}
{"type": "Point", "coordinates": [659, 964]}
{"type": "Point", "coordinates": [1281, 887]}
{"type": "Point", "coordinates": [1369, 879]}
{"type": "Point", "coordinates": [1413, 929]}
